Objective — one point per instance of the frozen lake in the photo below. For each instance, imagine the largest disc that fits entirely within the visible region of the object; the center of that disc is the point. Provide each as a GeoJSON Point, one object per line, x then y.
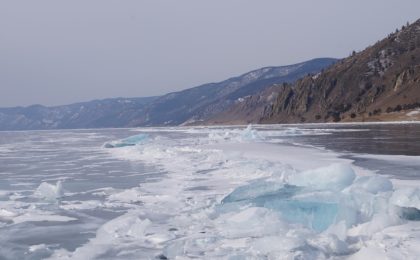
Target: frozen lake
{"type": "Point", "coordinates": [262, 192]}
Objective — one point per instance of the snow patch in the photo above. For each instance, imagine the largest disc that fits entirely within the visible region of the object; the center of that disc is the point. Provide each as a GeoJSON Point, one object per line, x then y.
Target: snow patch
{"type": "Point", "coordinates": [413, 113]}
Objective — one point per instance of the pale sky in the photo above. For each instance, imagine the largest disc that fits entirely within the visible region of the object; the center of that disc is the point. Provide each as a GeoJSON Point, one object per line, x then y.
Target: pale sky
{"type": "Point", "coordinates": [56, 52]}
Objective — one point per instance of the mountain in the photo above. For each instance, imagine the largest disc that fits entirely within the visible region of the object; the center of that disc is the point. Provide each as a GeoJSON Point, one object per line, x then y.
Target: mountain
{"type": "Point", "coordinates": [114, 112]}
{"type": "Point", "coordinates": [188, 106]}
{"type": "Point", "coordinates": [194, 105]}
{"type": "Point", "coordinates": [246, 110]}
{"type": "Point", "coordinates": [380, 83]}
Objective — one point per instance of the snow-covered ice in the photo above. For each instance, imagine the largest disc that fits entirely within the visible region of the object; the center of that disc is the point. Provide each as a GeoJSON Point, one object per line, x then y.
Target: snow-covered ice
{"type": "Point", "coordinates": [255, 196]}
{"type": "Point", "coordinates": [223, 193]}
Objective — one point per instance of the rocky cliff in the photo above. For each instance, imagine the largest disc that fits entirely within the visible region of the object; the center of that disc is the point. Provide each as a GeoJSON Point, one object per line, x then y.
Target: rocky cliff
{"type": "Point", "coordinates": [198, 104]}
{"type": "Point", "coordinates": [379, 83]}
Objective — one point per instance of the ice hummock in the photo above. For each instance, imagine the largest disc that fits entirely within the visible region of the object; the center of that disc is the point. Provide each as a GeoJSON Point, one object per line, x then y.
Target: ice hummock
{"type": "Point", "coordinates": [247, 134]}
{"type": "Point", "coordinates": [333, 177]}
{"type": "Point", "coordinates": [408, 197]}
{"type": "Point", "coordinates": [408, 202]}
{"type": "Point", "coordinates": [49, 191]}
{"type": "Point", "coordinates": [319, 198]}
{"type": "Point", "coordinates": [129, 141]}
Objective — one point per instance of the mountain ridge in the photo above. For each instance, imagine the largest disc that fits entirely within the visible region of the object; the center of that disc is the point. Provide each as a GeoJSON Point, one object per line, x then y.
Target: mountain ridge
{"type": "Point", "coordinates": [199, 103]}
{"type": "Point", "coordinates": [367, 86]}
{"type": "Point", "coordinates": [91, 114]}
{"type": "Point", "coordinates": [380, 83]}
{"type": "Point", "coordinates": [182, 107]}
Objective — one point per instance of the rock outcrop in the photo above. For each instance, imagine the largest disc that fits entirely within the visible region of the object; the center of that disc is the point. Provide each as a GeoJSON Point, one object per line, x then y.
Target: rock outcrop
{"type": "Point", "coordinates": [382, 79]}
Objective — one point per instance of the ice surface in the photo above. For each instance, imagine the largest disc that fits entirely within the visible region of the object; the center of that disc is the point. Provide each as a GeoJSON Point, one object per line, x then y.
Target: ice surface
{"type": "Point", "coordinates": [122, 233]}
{"type": "Point", "coordinates": [236, 135]}
{"type": "Point", "coordinates": [4, 194]}
{"type": "Point", "coordinates": [247, 223]}
{"type": "Point", "coordinates": [226, 193]}
{"type": "Point", "coordinates": [41, 216]}
{"type": "Point", "coordinates": [34, 248]}
{"type": "Point", "coordinates": [6, 214]}
{"type": "Point", "coordinates": [124, 227]}
{"type": "Point", "coordinates": [131, 196]}
{"type": "Point", "coordinates": [316, 209]}
{"type": "Point", "coordinates": [81, 205]}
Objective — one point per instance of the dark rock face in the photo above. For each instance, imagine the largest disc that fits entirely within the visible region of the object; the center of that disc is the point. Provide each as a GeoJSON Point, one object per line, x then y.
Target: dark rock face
{"type": "Point", "coordinates": [188, 106]}
{"type": "Point", "coordinates": [384, 78]}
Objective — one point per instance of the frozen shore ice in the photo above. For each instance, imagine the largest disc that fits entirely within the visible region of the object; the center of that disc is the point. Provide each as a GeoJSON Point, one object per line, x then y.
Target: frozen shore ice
{"type": "Point", "coordinates": [231, 194]}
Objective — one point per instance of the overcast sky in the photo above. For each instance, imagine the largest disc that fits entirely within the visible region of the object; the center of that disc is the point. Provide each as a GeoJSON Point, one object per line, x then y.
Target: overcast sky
{"type": "Point", "coordinates": [57, 52]}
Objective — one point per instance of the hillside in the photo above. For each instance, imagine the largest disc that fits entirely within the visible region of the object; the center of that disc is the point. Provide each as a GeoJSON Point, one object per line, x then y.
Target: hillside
{"type": "Point", "coordinates": [379, 83]}
{"type": "Point", "coordinates": [187, 106]}
{"type": "Point", "coordinates": [114, 112]}
{"type": "Point", "coordinates": [194, 105]}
